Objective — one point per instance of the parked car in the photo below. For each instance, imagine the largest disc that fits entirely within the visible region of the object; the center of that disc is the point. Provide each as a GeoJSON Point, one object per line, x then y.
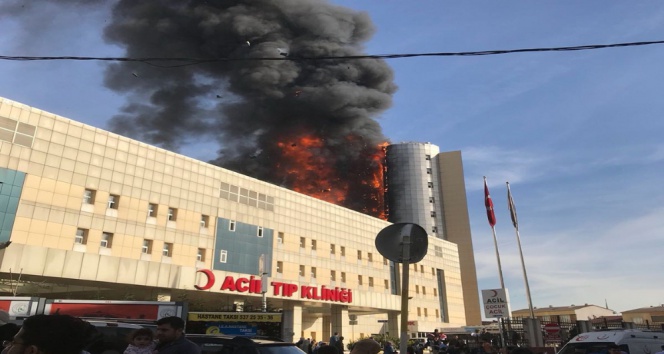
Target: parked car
{"type": "Point", "coordinates": [226, 344]}
{"type": "Point", "coordinates": [630, 341]}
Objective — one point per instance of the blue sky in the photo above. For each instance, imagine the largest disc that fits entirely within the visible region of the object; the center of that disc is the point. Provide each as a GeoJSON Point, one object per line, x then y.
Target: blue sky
{"type": "Point", "coordinates": [577, 134]}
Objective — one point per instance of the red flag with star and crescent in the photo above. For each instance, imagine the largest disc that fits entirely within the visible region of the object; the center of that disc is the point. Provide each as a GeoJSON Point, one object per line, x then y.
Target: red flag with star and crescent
{"type": "Point", "coordinates": [489, 205]}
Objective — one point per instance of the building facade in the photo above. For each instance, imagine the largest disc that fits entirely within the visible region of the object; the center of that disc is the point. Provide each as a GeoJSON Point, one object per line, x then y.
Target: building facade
{"type": "Point", "coordinates": [94, 215]}
{"type": "Point", "coordinates": [427, 188]}
{"type": "Point", "coordinates": [645, 315]}
{"type": "Point", "coordinates": [570, 313]}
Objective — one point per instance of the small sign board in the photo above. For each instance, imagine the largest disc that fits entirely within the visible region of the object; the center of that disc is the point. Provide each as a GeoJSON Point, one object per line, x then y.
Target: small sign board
{"type": "Point", "coordinates": [382, 321]}
{"type": "Point", "coordinates": [496, 303]}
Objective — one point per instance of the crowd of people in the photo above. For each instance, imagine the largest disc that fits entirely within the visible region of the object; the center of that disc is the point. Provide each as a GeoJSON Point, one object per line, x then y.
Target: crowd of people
{"type": "Point", "coordinates": [64, 334]}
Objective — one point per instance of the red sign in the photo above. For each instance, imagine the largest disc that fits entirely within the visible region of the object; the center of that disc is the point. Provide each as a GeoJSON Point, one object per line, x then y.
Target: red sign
{"type": "Point", "coordinates": [253, 285]}
{"type": "Point", "coordinates": [96, 310]}
{"type": "Point", "coordinates": [552, 328]}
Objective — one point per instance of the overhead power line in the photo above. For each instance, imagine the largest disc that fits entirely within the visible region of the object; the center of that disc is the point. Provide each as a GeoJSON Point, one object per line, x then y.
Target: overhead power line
{"type": "Point", "coordinates": [185, 61]}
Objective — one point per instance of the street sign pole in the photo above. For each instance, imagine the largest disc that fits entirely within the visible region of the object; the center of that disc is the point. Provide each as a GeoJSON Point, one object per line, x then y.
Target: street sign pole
{"type": "Point", "coordinates": [403, 345]}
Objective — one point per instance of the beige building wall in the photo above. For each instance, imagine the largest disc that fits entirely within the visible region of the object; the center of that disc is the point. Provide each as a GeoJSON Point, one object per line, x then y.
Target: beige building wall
{"type": "Point", "coordinates": [457, 228]}
{"type": "Point", "coordinates": [67, 158]}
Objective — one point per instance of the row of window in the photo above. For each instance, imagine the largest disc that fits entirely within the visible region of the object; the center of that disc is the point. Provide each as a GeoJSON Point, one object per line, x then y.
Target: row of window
{"type": "Point", "coordinates": [81, 238]}
{"type": "Point", "coordinates": [246, 196]}
{"type": "Point", "coordinates": [113, 202]}
{"type": "Point", "coordinates": [232, 226]}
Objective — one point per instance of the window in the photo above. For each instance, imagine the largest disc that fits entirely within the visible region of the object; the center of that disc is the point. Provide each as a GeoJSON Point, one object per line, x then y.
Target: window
{"type": "Point", "coordinates": [172, 214]}
{"type": "Point", "coordinates": [147, 247]}
{"type": "Point", "coordinates": [313, 245]}
{"type": "Point", "coordinates": [433, 214]}
{"type": "Point", "coordinates": [428, 171]}
{"type": "Point", "coordinates": [427, 157]}
{"type": "Point", "coordinates": [303, 242]}
{"type": "Point", "coordinates": [421, 268]}
{"type": "Point", "coordinates": [113, 201]}
{"type": "Point", "coordinates": [81, 237]}
{"type": "Point", "coordinates": [424, 290]}
{"type": "Point", "coordinates": [435, 293]}
{"type": "Point", "coordinates": [371, 283]}
{"type": "Point", "coordinates": [313, 272]}
{"type": "Point", "coordinates": [280, 267]}
{"type": "Point", "coordinates": [333, 275]}
{"type": "Point", "coordinates": [432, 200]}
{"type": "Point", "coordinates": [437, 314]}
{"type": "Point", "coordinates": [419, 311]}
{"type": "Point", "coordinates": [152, 210]}
{"type": "Point", "coordinates": [205, 220]}
{"type": "Point", "coordinates": [370, 257]}
{"type": "Point", "coordinates": [259, 231]}
{"type": "Point", "coordinates": [384, 261]}
{"type": "Point", "coordinates": [301, 270]}
{"type": "Point", "coordinates": [430, 184]}
{"type": "Point", "coordinates": [343, 277]}
{"type": "Point", "coordinates": [231, 225]}
{"type": "Point", "coordinates": [417, 289]}
{"type": "Point", "coordinates": [386, 283]}
{"type": "Point", "coordinates": [359, 280]}
{"type": "Point", "coordinates": [200, 256]}
{"type": "Point", "coordinates": [333, 249]}
{"type": "Point", "coordinates": [89, 196]}
{"type": "Point", "coordinates": [433, 271]}
{"type": "Point", "coordinates": [426, 312]}
{"type": "Point", "coordinates": [343, 251]}
{"type": "Point", "coordinates": [359, 255]}
{"type": "Point", "coordinates": [223, 256]}
{"type": "Point", "coordinates": [434, 229]}
{"type": "Point", "coordinates": [438, 250]}
{"type": "Point", "coordinates": [280, 238]}
{"type": "Point", "coordinates": [106, 239]}
{"type": "Point", "coordinates": [167, 251]}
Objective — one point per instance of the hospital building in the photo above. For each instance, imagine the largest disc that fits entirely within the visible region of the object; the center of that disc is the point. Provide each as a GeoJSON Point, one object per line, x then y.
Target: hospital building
{"type": "Point", "coordinates": [94, 215]}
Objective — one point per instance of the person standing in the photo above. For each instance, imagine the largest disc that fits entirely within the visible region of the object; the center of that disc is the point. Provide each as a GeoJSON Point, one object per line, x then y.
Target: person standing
{"type": "Point", "coordinates": [170, 333]}
{"type": "Point", "coordinates": [389, 348]}
{"type": "Point", "coordinates": [334, 339]}
{"type": "Point", "coordinates": [340, 344]}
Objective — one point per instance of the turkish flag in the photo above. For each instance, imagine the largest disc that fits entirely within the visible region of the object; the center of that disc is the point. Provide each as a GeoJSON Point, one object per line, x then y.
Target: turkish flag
{"type": "Point", "coordinates": [489, 205]}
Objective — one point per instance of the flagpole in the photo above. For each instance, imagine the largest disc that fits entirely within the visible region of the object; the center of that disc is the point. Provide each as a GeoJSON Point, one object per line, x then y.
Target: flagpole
{"type": "Point", "coordinates": [488, 203]}
{"type": "Point", "coordinates": [515, 222]}
{"type": "Point", "coordinates": [500, 268]}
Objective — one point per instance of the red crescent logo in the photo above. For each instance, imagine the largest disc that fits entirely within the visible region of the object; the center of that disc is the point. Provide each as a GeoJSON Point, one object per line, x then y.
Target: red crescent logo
{"type": "Point", "coordinates": [495, 293]}
{"type": "Point", "coordinates": [210, 279]}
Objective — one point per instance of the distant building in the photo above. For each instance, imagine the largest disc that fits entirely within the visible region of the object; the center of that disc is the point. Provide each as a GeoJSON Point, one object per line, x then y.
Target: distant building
{"type": "Point", "coordinates": [570, 313]}
{"type": "Point", "coordinates": [645, 315]}
{"type": "Point", "coordinates": [427, 187]}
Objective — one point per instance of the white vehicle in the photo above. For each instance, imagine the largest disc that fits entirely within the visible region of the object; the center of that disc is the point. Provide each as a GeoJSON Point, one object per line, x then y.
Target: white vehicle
{"type": "Point", "coordinates": [630, 341]}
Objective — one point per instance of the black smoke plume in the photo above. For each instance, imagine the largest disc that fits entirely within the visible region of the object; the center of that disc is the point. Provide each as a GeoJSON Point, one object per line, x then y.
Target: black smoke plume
{"type": "Point", "coordinates": [260, 113]}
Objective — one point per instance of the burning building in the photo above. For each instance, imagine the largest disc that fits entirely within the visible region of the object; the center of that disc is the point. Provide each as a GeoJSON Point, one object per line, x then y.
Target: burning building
{"type": "Point", "coordinates": [94, 215]}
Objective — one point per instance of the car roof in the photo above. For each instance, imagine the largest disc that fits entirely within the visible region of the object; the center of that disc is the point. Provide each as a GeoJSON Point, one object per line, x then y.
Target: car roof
{"type": "Point", "coordinates": [113, 324]}
{"type": "Point", "coordinates": [240, 339]}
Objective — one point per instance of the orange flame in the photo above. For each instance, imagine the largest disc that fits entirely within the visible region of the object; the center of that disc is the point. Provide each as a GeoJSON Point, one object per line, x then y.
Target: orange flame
{"type": "Point", "coordinates": [310, 167]}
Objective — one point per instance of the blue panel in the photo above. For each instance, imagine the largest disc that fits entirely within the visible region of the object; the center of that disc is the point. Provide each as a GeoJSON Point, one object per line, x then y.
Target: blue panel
{"type": "Point", "coordinates": [4, 201]}
{"type": "Point", "coordinates": [10, 193]}
{"type": "Point", "coordinates": [244, 247]}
